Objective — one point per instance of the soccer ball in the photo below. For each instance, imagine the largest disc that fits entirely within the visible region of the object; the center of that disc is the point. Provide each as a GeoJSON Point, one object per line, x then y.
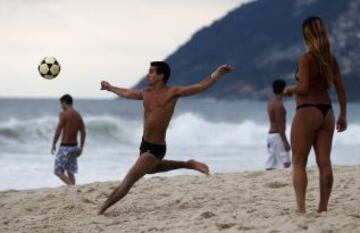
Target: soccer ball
{"type": "Point", "coordinates": [49, 68]}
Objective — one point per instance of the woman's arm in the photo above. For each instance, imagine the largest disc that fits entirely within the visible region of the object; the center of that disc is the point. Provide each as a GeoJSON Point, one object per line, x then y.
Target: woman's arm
{"type": "Point", "coordinates": [341, 123]}
{"type": "Point", "coordinates": [302, 88]}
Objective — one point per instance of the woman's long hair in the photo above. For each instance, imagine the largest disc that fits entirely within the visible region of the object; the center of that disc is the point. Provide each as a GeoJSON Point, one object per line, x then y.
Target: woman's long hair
{"type": "Point", "coordinates": [316, 38]}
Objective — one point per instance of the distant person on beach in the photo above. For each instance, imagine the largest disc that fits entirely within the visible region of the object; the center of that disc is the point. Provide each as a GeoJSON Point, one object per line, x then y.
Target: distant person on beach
{"type": "Point", "coordinates": [277, 142]}
{"type": "Point", "coordinates": [70, 124]}
{"type": "Point", "coordinates": [313, 124]}
{"type": "Point", "coordinates": [159, 102]}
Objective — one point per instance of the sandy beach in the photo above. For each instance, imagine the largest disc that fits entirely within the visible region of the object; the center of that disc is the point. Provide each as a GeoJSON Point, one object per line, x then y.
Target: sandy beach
{"type": "Point", "coordinates": [232, 202]}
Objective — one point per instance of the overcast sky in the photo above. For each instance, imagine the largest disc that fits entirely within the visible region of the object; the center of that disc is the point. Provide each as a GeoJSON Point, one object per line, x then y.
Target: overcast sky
{"type": "Point", "coordinates": [93, 40]}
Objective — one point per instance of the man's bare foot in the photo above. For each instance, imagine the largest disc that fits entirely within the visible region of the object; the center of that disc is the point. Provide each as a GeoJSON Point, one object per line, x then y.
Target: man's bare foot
{"type": "Point", "coordinates": [198, 166]}
{"type": "Point", "coordinates": [301, 212]}
{"type": "Point", "coordinates": [322, 209]}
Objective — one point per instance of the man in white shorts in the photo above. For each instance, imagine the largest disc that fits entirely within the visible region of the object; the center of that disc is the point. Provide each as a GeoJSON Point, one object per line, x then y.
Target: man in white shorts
{"type": "Point", "coordinates": [277, 143]}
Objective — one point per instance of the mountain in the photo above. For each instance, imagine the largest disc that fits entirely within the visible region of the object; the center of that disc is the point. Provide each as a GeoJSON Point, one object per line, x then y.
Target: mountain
{"type": "Point", "coordinates": [262, 40]}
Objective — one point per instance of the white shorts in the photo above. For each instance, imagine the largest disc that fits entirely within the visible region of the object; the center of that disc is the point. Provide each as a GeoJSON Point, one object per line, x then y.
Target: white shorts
{"type": "Point", "coordinates": [278, 156]}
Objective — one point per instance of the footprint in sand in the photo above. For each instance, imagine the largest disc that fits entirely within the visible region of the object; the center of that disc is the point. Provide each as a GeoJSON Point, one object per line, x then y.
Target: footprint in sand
{"type": "Point", "coordinates": [275, 185]}
{"type": "Point", "coordinates": [355, 215]}
{"type": "Point", "coordinates": [164, 194]}
{"type": "Point", "coordinates": [207, 214]}
{"type": "Point", "coordinates": [254, 174]}
{"type": "Point", "coordinates": [28, 209]}
{"type": "Point", "coordinates": [69, 207]}
{"type": "Point", "coordinates": [244, 228]}
{"type": "Point", "coordinates": [303, 226]}
{"type": "Point", "coordinates": [50, 196]}
{"type": "Point", "coordinates": [113, 223]}
{"type": "Point", "coordinates": [101, 195]}
{"type": "Point", "coordinates": [90, 190]}
{"type": "Point", "coordinates": [87, 201]}
{"type": "Point", "coordinates": [113, 214]}
{"type": "Point", "coordinates": [223, 226]}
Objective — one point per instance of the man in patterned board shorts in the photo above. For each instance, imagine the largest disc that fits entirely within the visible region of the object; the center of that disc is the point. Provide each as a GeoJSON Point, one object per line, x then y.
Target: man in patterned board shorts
{"type": "Point", "coordinates": [70, 124]}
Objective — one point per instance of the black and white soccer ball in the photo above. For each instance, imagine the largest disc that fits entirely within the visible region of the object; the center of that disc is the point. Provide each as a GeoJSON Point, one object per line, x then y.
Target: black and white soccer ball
{"type": "Point", "coordinates": [49, 68]}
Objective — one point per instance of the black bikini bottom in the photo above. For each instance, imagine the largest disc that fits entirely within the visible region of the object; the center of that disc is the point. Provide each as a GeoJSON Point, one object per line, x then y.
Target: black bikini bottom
{"type": "Point", "coordinates": [324, 108]}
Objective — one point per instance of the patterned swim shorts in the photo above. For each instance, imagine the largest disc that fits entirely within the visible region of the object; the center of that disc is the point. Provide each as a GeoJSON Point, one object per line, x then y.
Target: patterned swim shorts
{"type": "Point", "coordinates": [66, 159]}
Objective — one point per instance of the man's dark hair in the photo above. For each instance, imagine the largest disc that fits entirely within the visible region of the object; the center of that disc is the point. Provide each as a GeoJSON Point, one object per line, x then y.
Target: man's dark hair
{"type": "Point", "coordinates": [162, 68]}
{"type": "Point", "coordinates": [278, 86]}
{"type": "Point", "coordinates": [67, 99]}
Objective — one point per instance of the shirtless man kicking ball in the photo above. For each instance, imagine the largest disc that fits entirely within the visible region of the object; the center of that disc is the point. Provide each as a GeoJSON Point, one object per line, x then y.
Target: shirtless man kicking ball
{"type": "Point", "coordinates": [159, 102]}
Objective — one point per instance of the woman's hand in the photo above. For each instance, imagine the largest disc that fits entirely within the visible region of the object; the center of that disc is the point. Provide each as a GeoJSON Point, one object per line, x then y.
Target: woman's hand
{"type": "Point", "coordinates": [341, 123]}
{"type": "Point", "coordinates": [289, 90]}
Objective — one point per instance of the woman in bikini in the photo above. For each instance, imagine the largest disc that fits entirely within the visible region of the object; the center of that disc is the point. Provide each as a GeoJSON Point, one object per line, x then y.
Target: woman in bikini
{"type": "Point", "coordinates": [314, 123]}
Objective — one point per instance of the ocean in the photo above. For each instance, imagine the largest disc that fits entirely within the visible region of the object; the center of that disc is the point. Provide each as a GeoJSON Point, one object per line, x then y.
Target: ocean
{"type": "Point", "coordinates": [229, 136]}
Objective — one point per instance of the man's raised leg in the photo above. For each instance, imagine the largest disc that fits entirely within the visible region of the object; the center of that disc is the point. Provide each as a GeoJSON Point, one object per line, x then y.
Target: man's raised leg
{"type": "Point", "coordinates": [168, 165]}
{"type": "Point", "coordinates": [145, 163]}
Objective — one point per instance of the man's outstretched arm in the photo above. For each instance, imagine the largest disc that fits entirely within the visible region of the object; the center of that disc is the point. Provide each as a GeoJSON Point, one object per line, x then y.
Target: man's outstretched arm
{"type": "Point", "coordinates": [204, 84]}
{"type": "Point", "coordinates": [122, 92]}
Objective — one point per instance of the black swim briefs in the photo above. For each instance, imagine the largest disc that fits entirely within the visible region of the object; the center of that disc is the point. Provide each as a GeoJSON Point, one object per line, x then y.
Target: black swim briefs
{"type": "Point", "coordinates": [158, 150]}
